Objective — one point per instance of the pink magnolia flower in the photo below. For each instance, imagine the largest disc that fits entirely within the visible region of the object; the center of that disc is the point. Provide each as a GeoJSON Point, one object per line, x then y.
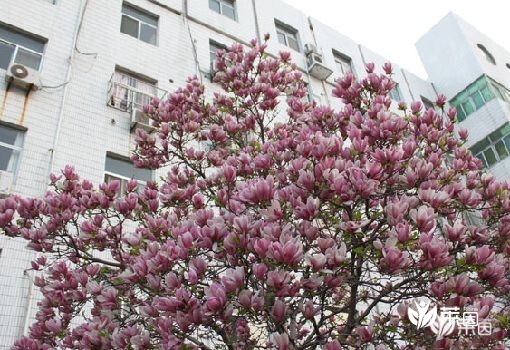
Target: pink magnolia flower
{"type": "Point", "coordinates": [424, 218]}
{"type": "Point", "coordinates": [216, 297]}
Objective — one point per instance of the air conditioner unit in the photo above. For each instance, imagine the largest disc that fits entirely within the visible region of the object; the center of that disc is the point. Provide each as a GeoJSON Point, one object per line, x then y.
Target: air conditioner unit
{"type": "Point", "coordinates": [315, 66]}
{"type": "Point", "coordinates": [139, 119]}
{"type": "Point", "coordinates": [6, 181]}
{"type": "Point", "coordinates": [310, 48]}
{"type": "Point", "coordinates": [22, 76]}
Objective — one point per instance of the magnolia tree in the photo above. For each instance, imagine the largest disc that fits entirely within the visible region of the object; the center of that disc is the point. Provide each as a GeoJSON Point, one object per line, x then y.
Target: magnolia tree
{"type": "Point", "coordinates": [317, 232]}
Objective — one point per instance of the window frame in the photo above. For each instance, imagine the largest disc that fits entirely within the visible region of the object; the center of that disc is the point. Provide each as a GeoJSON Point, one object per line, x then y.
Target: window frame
{"type": "Point", "coordinates": [13, 30]}
{"type": "Point", "coordinates": [212, 55]}
{"type": "Point", "coordinates": [122, 177]}
{"type": "Point", "coordinates": [465, 101]}
{"type": "Point", "coordinates": [287, 32]}
{"type": "Point", "coordinates": [123, 95]}
{"type": "Point", "coordinates": [225, 3]}
{"type": "Point", "coordinates": [489, 144]}
{"type": "Point", "coordinates": [17, 147]}
{"type": "Point", "coordinates": [396, 93]}
{"type": "Point", "coordinates": [341, 61]}
{"type": "Point", "coordinates": [141, 12]}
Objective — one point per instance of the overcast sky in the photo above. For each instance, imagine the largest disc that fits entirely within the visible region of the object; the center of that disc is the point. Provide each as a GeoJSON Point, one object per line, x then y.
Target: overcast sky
{"type": "Point", "coordinates": [392, 27]}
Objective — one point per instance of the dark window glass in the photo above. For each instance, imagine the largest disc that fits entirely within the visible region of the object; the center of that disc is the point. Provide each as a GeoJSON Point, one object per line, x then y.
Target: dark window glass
{"type": "Point", "coordinates": [27, 58]}
{"type": "Point", "coordinates": [490, 157]}
{"type": "Point", "coordinates": [129, 26]}
{"type": "Point", "coordinates": [229, 11]}
{"type": "Point", "coordinates": [5, 157]}
{"type": "Point", "coordinates": [287, 36]}
{"type": "Point", "coordinates": [501, 149]}
{"type": "Point", "coordinates": [11, 141]}
{"type": "Point", "coordinates": [6, 52]}
{"type": "Point", "coordinates": [139, 24]}
{"type": "Point", "coordinates": [13, 36]}
{"type": "Point", "coordinates": [126, 169]}
{"type": "Point", "coordinates": [148, 34]}
{"type": "Point", "coordinates": [140, 15]}
{"type": "Point", "coordinates": [27, 50]}
{"type": "Point", "coordinates": [215, 6]}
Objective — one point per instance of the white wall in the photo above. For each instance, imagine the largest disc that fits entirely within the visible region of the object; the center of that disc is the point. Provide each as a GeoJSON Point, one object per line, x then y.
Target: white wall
{"type": "Point", "coordinates": [89, 127]}
{"type": "Point", "coordinates": [452, 59]}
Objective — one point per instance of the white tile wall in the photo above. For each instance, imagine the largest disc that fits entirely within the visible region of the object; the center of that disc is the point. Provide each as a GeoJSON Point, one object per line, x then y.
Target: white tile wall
{"type": "Point", "coordinates": [89, 128]}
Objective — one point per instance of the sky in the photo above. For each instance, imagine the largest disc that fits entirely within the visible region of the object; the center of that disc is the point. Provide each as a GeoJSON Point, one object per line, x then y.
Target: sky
{"type": "Point", "coordinates": [392, 27]}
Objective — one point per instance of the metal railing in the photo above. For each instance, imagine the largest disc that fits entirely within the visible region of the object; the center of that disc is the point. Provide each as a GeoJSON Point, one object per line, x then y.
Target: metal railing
{"type": "Point", "coordinates": [126, 97]}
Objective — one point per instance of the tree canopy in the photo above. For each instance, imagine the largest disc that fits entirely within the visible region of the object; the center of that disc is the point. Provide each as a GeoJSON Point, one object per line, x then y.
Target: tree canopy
{"type": "Point", "coordinates": [280, 223]}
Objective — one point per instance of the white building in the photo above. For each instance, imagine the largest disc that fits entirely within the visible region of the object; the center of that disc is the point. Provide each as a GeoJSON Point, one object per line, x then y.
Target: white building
{"type": "Point", "coordinates": [474, 74]}
{"type": "Point", "coordinates": [73, 75]}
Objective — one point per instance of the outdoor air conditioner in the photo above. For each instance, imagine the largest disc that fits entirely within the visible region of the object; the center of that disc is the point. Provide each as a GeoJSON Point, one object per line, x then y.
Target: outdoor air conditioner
{"type": "Point", "coordinates": [315, 66]}
{"type": "Point", "coordinates": [22, 76]}
{"type": "Point", "coordinates": [139, 119]}
{"type": "Point", "coordinates": [6, 180]}
{"type": "Point", "coordinates": [310, 48]}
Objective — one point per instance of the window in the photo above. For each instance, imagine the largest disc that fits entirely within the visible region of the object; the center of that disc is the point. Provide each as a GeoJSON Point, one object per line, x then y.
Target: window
{"type": "Point", "coordinates": [488, 55]}
{"type": "Point", "coordinates": [121, 168]}
{"type": "Point", "coordinates": [18, 47]}
{"type": "Point", "coordinates": [129, 91]}
{"type": "Point", "coordinates": [494, 147]}
{"type": "Point", "coordinates": [475, 96]}
{"type": "Point", "coordinates": [139, 24]}
{"type": "Point", "coordinates": [427, 104]}
{"type": "Point", "coordinates": [11, 143]}
{"type": "Point", "coordinates": [224, 7]}
{"type": "Point", "coordinates": [395, 93]}
{"type": "Point", "coordinates": [214, 47]}
{"type": "Point", "coordinates": [343, 63]}
{"type": "Point", "coordinates": [287, 35]}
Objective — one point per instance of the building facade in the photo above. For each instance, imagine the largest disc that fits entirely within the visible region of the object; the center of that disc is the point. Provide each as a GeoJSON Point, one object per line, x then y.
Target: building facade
{"type": "Point", "coordinates": [474, 74]}
{"type": "Point", "coordinates": [74, 75]}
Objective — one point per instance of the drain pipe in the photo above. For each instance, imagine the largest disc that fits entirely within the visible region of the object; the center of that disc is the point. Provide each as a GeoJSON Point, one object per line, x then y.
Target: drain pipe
{"type": "Point", "coordinates": [30, 301]}
{"type": "Point", "coordinates": [257, 27]}
{"type": "Point", "coordinates": [65, 92]}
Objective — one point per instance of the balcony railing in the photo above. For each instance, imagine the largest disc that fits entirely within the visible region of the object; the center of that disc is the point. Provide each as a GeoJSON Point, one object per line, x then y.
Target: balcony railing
{"type": "Point", "coordinates": [131, 94]}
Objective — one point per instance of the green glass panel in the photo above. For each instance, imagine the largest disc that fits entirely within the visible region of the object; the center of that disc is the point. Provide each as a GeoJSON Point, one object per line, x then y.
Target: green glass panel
{"type": "Point", "coordinates": [501, 149]}
{"type": "Point", "coordinates": [478, 99]}
{"type": "Point", "coordinates": [507, 142]}
{"type": "Point", "coordinates": [460, 114]}
{"type": "Point", "coordinates": [480, 83]}
{"type": "Point", "coordinates": [480, 145]}
{"type": "Point", "coordinates": [499, 133]}
{"type": "Point", "coordinates": [490, 156]}
{"type": "Point", "coordinates": [487, 93]}
{"type": "Point", "coordinates": [468, 107]}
